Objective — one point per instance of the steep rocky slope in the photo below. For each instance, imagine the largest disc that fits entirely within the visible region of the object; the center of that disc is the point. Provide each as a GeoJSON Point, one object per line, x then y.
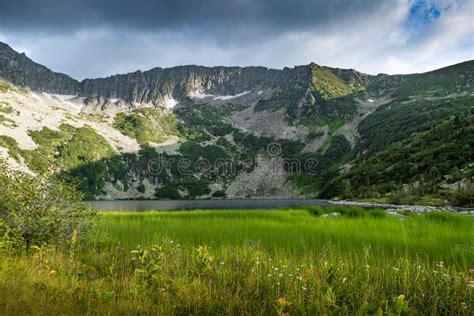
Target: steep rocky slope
{"type": "Point", "coordinates": [22, 71]}
{"type": "Point", "coordinates": [213, 132]}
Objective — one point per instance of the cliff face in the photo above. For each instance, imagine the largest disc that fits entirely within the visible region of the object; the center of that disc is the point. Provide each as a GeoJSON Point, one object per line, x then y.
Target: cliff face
{"type": "Point", "coordinates": [157, 85]}
{"type": "Point", "coordinates": [179, 82]}
{"type": "Point", "coordinates": [185, 82]}
{"type": "Point", "coordinates": [235, 114]}
{"type": "Point", "coordinates": [288, 87]}
{"type": "Point", "coordinates": [22, 71]}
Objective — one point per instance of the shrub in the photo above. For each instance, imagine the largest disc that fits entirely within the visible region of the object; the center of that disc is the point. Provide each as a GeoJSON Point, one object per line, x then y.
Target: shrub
{"type": "Point", "coordinates": [141, 188]}
{"type": "Point", "coordinates": [38, 210]}
{"type": "Point", "coordinates": [169, 191]}
{"type": "Point", "coordinates": [219, 194]}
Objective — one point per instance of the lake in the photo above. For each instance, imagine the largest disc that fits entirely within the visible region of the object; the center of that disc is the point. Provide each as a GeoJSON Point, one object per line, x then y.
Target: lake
{"type": "Point", "coordinates": [168, 205]}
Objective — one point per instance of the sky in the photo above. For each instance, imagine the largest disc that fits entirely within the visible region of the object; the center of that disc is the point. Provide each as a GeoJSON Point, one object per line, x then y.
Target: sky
{"type": "Point", "coordinates": [98, 38]}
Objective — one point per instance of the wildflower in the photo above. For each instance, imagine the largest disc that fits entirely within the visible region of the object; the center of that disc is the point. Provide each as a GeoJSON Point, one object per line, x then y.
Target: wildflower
{"type": "Point", "coordinates": [278, 283]}
{"type": "Point", "coordinates": [283, 306]}
{"type": "Point", "coordinates": [303, 288]}
{"type": "Point", "coordinates": [74, 237]}
{"type": "Point", "coordinates": [257, 263]}
{"type": "Point", "coordinates": [269, 275]}
{"type": "Point", "coordinates": [435, 272]}
{"type": "Point", "coordinates": [367, 266]}
{"type": "Point", "coordinates": [171, 241]}
{"type": "Point", "coordinates": [395, 269]}
{"type": "Point", "coordinates": [344, 280]}
{"type": "Point", "coordinates": [222, 262]}
{"type": "Point", "coordinates": [280, 275]}
{"type": "Point", "coordinates": [276, 269]}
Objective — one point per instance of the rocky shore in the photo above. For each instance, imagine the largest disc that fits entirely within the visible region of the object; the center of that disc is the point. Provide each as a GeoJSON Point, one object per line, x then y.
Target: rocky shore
{"type": "Point", "coordinates": [412, 208]}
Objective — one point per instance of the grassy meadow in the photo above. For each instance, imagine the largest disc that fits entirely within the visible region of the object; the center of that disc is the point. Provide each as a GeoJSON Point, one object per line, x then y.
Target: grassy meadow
{"type": "Point", "coordinates": [279, 262]}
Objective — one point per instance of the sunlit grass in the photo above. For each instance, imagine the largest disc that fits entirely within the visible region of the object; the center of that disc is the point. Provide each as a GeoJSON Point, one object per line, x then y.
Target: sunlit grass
{"type": "Point", "coordinates": [252, 262]}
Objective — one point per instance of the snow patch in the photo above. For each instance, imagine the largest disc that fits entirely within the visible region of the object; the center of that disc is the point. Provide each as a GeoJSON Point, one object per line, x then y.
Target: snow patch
{"type": "Point", "coordinates": [114, 100]}
{"type": "Point", "coordinates": [260, 92]}
{"type": "Point", "coordinates": [170, 103]}
{"type": "Point", "coordinates": [200, 95]}
{"type": "Point", "coordinates": [63, 97]}
{"type": "Point", "coordinates": [370, 101]}
{"type": "Point", "coordinates": [227, 97]}
{"type": "Point", "coordinates": [37, 97]}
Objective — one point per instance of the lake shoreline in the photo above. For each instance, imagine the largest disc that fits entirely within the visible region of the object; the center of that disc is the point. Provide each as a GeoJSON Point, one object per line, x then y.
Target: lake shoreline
{"type": "Point", "coordinates": [234, 204]}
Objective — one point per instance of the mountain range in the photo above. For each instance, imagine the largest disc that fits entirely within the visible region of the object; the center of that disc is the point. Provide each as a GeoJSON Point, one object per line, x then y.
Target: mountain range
{"type": "Point", "coordinates": [240, 132]}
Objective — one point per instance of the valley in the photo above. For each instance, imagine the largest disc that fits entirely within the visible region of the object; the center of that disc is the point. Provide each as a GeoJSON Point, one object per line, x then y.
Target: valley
{"type": "Point", "coordinates": [129, 136]}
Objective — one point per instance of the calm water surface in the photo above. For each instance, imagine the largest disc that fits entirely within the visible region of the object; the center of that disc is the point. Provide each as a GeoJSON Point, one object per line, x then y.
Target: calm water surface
{"type": "Point", "coordinates": [167, 205]}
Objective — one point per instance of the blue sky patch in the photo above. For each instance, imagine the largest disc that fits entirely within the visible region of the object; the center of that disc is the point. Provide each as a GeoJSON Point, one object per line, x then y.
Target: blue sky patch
{"type": "Point", "coordinates": [421, 15]}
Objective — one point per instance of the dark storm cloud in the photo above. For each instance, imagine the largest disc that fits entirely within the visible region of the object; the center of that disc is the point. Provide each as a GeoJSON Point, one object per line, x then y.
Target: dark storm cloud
{"type": "Point", "coordinates": [91, 38]}
{"type": "Point", "coordinates": [219, 18]}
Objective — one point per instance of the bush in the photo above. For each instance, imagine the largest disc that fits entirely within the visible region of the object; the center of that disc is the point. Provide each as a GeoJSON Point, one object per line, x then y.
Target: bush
{"type": "Point", "coordinates": [219, 194]}
{"type": "Point", "coordinates": [37, 210]}
{"type": "Point", "coordinates": [141, 188]}
{"type": "Point", "coordinates": [169, 191]}
{"type": "Point", "coordinates": [402, 197]}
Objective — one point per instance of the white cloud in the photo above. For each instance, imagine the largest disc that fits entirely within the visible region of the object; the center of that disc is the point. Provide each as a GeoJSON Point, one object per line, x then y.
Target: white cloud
{"type": "Point", "coordinates": [374, 43]}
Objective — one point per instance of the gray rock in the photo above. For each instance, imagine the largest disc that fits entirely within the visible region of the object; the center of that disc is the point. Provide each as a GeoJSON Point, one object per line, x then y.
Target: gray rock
{"type": "Point", "coordinates": [288, 86]}
{"type": "Point", "coordinates": [393, 213]}
{"type": "Point", "coordinates": [22, 71]}
{"type": "Point", "coordinates": [330, 215]}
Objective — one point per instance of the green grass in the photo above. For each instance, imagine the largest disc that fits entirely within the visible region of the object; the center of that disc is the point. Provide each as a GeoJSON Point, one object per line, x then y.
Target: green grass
{"type": "Point", "coordinates": [251, 262]}
{"type": "Point", "coordinates": [67, 148]}
{"type": "Point", "coordinates": [11, 145]}
{"type": "Point", "coordinates": [5, 108]}
{"type": "Point", "coordinates": [328, 85]}
{"type": "Point", "coordinates": [6, 121]}
{"type": "Point", "coordinates": [146, 125]}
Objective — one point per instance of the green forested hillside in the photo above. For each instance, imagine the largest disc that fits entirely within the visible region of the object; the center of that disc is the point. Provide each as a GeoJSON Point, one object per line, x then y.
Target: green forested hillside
{"type": "Point", "coordinates": [458, 78]}
{"type": "Point", "coordinates": [455, 79]}
{"type": "Point", "coordinates": [400, 119]}
{"type": "Point", "coordinates": [422, 165]}
{"type": "Point", "coordinates": [392, 137]}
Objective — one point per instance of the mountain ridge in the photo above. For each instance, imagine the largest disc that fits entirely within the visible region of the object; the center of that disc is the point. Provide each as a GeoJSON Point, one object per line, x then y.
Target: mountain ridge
{"type": "Point", "coordinates": [158, 85]}
{"type": "Point", "coordinates": [106, 131]}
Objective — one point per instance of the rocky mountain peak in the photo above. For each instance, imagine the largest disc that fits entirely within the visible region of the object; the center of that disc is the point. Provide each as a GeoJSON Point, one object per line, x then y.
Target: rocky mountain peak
{"type": "Point", "coordinates": [22, 71]}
